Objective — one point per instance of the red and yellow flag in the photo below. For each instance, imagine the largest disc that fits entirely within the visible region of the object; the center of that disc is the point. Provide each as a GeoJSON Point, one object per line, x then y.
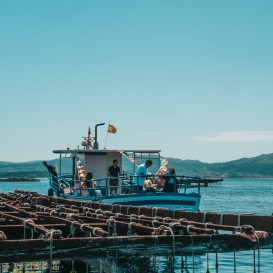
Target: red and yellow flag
{"type": "Point", "coordinates": [111, 129]}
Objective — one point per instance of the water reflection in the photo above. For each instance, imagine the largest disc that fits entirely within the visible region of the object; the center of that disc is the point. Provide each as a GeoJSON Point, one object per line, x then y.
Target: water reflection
{"type": "Point", "coordinates": [240, 262]}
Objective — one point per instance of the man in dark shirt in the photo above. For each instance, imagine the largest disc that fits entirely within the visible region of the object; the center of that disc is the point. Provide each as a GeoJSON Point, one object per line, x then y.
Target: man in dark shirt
{"type": "Point", "coordinates": [114, 171]}
{"type": "Point", "coordinates": [54, 177]}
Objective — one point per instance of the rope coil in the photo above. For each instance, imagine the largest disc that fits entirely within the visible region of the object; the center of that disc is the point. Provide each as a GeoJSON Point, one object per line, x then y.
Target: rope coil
{"type": "Point", "coordinates": [69, 216]}
{"type": "Point", "coordinates": [129, 232]}
{"type": "Point", "coordinates": [154, 211]}
{"type": "Point", "coordinates": [82, 226]}
{"type": "Point", "coordinates": [38, 226]}
{"type": "Point", "coordinates": [95, 230]}
{"type": "Point", "coordinates": [27, 221]}
{"type": "Point", "coordinates": [52, 212]}
{"type": "Point", "coordinates": [72, 229]}
{"type": "Point", "coordinates": [154, 221]}
{"type": "Point", "coordinates": [173, 224]}
{"type": "Point", "coordinates": [208, 223]}
{"type": "Point", "coordinates": [111, 222]}
{"type": "Point", "coordinates": [188, 230]}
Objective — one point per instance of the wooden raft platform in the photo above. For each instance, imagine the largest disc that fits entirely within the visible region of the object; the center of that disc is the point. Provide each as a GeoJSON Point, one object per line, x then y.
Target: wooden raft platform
{"type": "Point", "coordinates": [39, 227]}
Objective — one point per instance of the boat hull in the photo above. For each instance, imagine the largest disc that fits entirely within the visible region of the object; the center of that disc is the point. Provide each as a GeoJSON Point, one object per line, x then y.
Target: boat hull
{"type": "Point", "coordinates": [189, 202]}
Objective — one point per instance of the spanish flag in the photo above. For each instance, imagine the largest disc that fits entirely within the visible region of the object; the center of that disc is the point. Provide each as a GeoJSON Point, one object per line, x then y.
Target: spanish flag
{"type": "Point", "coordinates": [111, 129]}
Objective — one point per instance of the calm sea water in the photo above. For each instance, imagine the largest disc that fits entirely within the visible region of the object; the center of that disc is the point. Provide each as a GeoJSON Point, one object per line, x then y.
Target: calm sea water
{"type": "Point", "coordinates": [229, 196]}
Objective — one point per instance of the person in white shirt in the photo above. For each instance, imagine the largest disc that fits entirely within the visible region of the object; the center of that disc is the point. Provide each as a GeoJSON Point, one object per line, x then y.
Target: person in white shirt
{"type": "Point", "coordinates": [141, 173]}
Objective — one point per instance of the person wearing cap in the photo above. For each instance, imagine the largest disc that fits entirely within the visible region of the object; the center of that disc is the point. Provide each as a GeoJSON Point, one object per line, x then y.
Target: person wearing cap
{"type": "Point", "coordinates": [141, 173]}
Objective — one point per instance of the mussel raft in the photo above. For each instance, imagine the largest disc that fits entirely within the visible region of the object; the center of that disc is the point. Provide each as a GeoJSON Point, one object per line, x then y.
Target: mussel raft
{"type": "Point", "coordinates": [40, 227]}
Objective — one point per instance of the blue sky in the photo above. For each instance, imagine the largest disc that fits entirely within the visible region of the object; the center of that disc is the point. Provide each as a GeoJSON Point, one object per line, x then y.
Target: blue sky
{"type": "Point", "coordinates": [192, 78]}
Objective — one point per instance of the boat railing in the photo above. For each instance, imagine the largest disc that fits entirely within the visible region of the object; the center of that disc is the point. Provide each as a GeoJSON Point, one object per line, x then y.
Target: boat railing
{"type": "Point", "coordinates": [100, 187]}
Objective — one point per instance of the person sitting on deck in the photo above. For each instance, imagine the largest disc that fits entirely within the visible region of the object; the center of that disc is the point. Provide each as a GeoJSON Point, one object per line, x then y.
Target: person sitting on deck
{"type": "Point", "coordinates": [148, 185]}
{"type": "Point", "coordinates": [91, 184]}
{"type": "Point", "coordinates": [160, 183]}
{"type": "Point", "coordinates": [170, 181]}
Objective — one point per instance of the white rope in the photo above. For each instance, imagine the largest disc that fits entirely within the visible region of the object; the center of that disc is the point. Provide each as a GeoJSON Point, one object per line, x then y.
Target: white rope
{"type": "Point", "coordinates": [173, 239]}
{"type": "Point", "coordinates": [111, 222]}
{"type": "Point", "coordinates": [166, 218]}
{"type": "Point", "coordinates": [182, 220]}
{"type": "Point", "coordinates": [129, 232]}
{"type": "Point", "coordinates": [188, 230]}
{"type": "Point", "coordinates": [239, 220]}
{"type": "Point", "coordinates": [38, 226]}
{"type": "Point", "coordinates": [98, 210]}
{"type": "Point", "coordinates": [106, 212]}
{"type": "Point", "coordinates": [27, 221]}
{"type": "Point", "coordinates": [36, 202]}
{"type": "Point", "coordinates": [173, 224]}
{"type": "Point", "coordinates": [118, 214]}
{"type": "Point", "coordinates": [88, 213]}
{"type": "Point", "coordinates": [204, 217]}
{"type": "Point", "coordinates": [84, 209]}
{"type": "Point", "coordinates": [69, 216]}
{"type": "Point", "coordinates": [25, 227]}
{"type": "Point", "coordinates": [258, 244]}
{"type": "Point", "coordinates": [221, 219]}
{"type": "Point", "coordinates": [96, 229]}
{"type": "Point", "coordinates": [154, 221]}
{"type": "Point", "coordinates": [132, 219]}
{"type": "Point", "coordinates": [3, 235]}
{"type": "Point", "coordinates": [159, 229]}
{"type": "Point", "coordinates": [53, 211]}
{"type": "Point", "coordinates": [72, 229]}
{"type": "Point", "coordinates": [49, 236]}
{"type": "Point", "coordinates": [154, 211]}
{"type": "Point", "coordinates": [83, 225]}
{"type": "Point", "coordinates": [208, 223]}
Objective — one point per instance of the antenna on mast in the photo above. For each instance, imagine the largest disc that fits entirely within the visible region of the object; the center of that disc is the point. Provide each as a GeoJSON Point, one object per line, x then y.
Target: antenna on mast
{"type": "Point", "coordinates": [87, 140]}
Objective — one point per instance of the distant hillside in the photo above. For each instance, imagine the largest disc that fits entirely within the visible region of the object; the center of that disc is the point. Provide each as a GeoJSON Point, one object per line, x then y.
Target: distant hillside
{"type": "Point", "coordinates": [260, 166]}
{"type": "Point", "coordinates": [30, 168]}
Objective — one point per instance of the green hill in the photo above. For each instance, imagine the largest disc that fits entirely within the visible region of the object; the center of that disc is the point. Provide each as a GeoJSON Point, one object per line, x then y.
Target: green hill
{"type": "Point", "coordinates": [260, 166]}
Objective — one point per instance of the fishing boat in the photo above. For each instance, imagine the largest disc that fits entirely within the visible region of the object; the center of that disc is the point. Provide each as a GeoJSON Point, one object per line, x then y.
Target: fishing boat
{"type": "Point", "coordinates": [79, 185]}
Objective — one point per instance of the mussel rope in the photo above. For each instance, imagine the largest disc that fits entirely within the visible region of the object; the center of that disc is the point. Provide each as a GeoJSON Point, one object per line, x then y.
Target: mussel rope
{"type": "Point", "coordinates": [258, 244]}
{"type": "Point", "coordinates": [216, 262]}
{"type": "Point", "coordinates": [207, 263]}
{"type": "Point", "coordinates": [25, 227]}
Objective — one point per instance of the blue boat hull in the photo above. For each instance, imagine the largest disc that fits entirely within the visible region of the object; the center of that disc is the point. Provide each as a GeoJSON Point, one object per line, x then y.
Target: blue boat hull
{"type": "Point", "coordinates": [189, 202]}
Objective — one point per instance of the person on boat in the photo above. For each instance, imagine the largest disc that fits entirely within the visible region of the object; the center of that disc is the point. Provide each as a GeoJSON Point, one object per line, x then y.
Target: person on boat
{"type": "Point", "coordinates": [114, 172]}
{"type": "Point", "coordinates": [170, 181]}
{"type": "Point", "coordinates": [141, 173]}
{"type": "Point", "coordinates": [160, 183]}
{"type": "Point", "coordinates": [89, 183]}
{"type": "Point", "coordinates": [54, 178]}
{"type": "Point", "coordinates": [149, 183]}
{"type": "Point", "coordinates": [16, 269]}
